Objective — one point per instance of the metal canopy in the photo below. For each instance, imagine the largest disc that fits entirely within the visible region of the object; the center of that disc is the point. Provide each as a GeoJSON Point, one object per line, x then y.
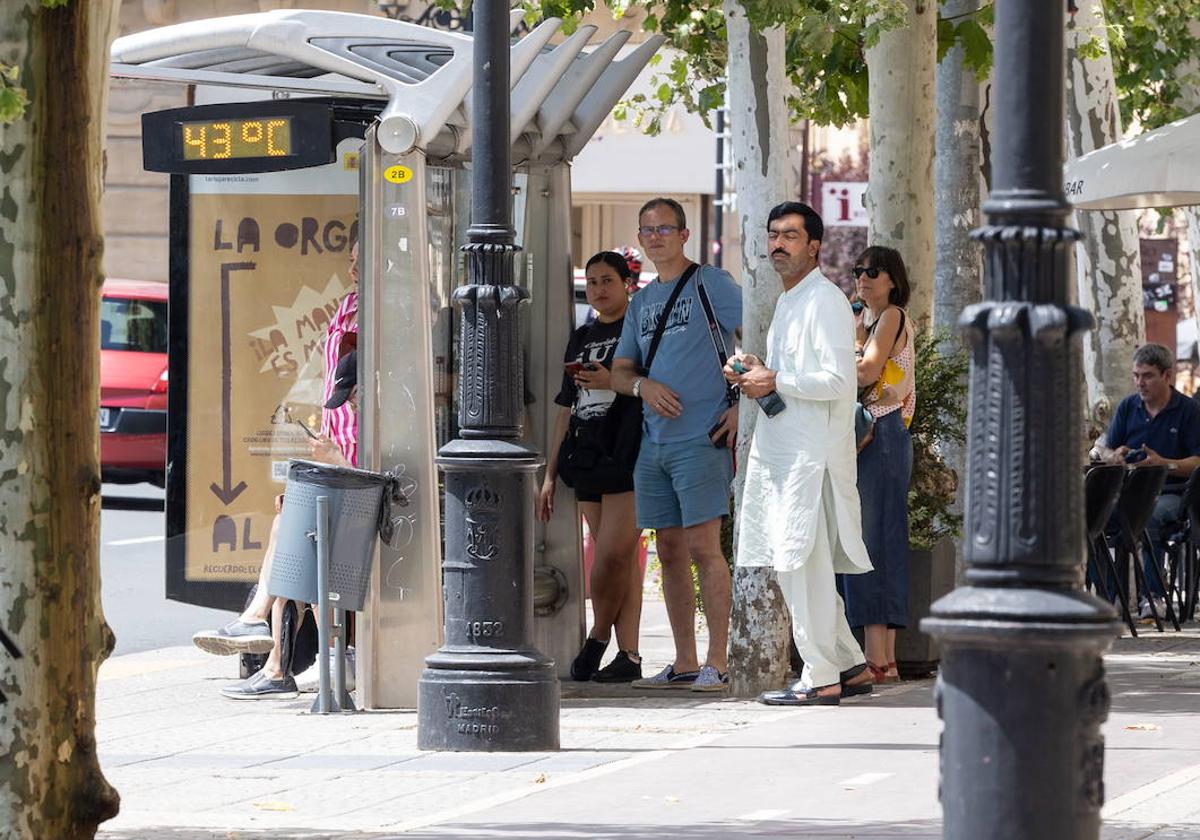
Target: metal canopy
{"type": "Point", "coordinates": [1155, 169]}
{"type": "Point", "coordinates": [560, 95]}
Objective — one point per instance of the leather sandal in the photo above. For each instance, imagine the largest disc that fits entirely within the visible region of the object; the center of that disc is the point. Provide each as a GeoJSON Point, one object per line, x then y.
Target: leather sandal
{"type": "Point", "coordinates": [879, 673]}
{"type": "Point", "coordinates": [800, 697]}
{"type": "Point", "coordinates": [855, 689]}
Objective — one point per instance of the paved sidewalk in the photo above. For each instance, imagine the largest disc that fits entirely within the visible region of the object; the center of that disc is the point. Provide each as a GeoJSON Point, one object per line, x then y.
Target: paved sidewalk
{"type": "Point", "coordinates": [192, 766]}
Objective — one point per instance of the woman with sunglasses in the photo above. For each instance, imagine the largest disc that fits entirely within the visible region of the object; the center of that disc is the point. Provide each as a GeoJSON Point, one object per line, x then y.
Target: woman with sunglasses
{"type": "Point", "coordinates": [603, 488]}
{"type": "Point", "coordinates": [878, 601]}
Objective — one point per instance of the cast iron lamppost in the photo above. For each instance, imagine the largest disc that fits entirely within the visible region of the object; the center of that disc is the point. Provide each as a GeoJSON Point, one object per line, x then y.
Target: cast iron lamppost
{"type": "Point", "coordinates": [488, 688]}
{"type": "Point", "coordinates": [1022, 689]}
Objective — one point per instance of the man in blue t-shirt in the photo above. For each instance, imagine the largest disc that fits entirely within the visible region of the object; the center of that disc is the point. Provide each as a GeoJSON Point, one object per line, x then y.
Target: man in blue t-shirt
{"type": "Point", "coordinates": [1156, 426]}
{"type": "Point", "coordinates": [681, 482]}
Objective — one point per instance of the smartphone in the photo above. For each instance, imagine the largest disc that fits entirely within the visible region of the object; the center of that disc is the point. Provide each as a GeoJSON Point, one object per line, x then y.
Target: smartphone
{"type": "Point", "coordinates": [307, 430]}
{"type": "Point", "coordinates": [722, 441]}
{"type": "Point", "coordinates": [575, 368]}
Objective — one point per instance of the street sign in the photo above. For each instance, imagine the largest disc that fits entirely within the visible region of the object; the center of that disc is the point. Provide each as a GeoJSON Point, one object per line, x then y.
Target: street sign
{"type": "Point", "coordinates": [843, 203]}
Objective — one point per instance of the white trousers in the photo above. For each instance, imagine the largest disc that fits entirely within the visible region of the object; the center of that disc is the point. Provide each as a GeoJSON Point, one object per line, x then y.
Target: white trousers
{"type": "Point", "coordinates": [819, 624]}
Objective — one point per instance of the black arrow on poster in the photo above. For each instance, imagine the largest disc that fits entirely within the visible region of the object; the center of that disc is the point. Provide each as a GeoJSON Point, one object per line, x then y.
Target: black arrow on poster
{"type": "Point", "coordinates": [227, 491]}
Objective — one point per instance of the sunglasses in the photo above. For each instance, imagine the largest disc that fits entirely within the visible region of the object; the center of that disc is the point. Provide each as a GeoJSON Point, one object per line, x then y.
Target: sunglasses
{"type": "Point", "coordinates": [661, 230]}
{"type": "Point", "coordinates": [859, 271]}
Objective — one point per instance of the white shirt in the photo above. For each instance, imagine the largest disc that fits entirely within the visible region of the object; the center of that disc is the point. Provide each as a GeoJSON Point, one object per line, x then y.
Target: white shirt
{"type": "Point", "coordinates": [807, 450]}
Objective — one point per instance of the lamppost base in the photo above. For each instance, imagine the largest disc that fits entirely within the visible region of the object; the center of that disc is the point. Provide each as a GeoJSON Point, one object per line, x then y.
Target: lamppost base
{"type": "Point", "coordinates": [500, 709]}
{"type": "Point", "coordinates": [1021, 691]}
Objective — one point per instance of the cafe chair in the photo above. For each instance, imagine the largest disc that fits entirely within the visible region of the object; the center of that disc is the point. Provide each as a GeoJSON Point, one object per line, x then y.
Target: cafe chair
{"type": "Point", "coordinates": [1183, 551]}
{"type": "Point", "coordinates": [1101, 488]}
{"type": "Point", "coordinates": [1134, 508]}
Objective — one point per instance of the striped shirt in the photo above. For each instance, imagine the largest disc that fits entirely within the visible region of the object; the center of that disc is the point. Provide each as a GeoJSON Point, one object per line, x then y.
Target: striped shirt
{"type": "Point", "coordinates": [340, 424]}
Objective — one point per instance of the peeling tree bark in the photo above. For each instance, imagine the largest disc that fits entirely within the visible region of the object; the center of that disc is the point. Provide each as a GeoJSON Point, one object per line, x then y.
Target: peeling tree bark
{"type": "Point", "coordinates": [901, 101]}
{"type": "Point", "coordinates": [50, 251]}
{"type": "Point", "coordinates": [760, 630]}
{"type": "Point", "coordinates": [1108, 267]}
{"type": "Point", "coordinates": [959, 265]}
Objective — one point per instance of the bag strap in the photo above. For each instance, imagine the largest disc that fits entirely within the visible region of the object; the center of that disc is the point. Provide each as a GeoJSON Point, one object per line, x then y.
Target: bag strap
{"type": "Point", "coordinates": [899, 332]}
{"type": "Point", "coordinates": [718, 340]}
{"type": "Point", "coordinates": [661, 326]}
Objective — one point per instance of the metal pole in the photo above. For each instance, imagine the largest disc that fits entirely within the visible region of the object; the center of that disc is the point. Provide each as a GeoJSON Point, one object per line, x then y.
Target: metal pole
{"type": "Point", "coordinates": [1021, 688]}
{"type": "Point", "coordinates": [487, 687]}
{"type": "Point", "coordinates": [323, 704]}
{"type": "Point", "coordinates": [719, 200]}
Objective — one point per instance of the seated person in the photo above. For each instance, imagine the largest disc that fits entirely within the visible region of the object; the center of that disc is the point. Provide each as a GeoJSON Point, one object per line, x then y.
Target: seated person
{"type": "Point", "coordinates": [258, 628]}
{"type": "Point", "coordinates": [1157, 426]}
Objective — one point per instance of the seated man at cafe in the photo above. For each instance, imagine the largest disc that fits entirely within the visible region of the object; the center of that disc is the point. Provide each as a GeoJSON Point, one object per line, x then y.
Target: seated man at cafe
{"type": "Point", "coordinates": [1156, 426]}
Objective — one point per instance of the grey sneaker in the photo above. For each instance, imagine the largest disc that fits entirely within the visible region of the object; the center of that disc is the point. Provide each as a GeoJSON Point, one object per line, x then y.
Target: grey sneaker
{"type": "Point", "coordinates": [236, 637]}
{"type": "Point", "coordinates": [262, 687]}
{"type": "Point", "coordinates": [668, 679]}
{"type": "Point", "coordinates": [710, 679]}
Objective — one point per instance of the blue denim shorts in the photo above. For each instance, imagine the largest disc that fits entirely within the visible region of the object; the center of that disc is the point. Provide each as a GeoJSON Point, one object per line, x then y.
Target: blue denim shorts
{"type": "Point", "coordinates": [681, 484]}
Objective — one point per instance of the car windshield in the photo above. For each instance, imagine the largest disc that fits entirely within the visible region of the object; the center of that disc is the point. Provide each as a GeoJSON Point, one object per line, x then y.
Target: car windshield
{"type": "Point", "coordinates": [137, 325]}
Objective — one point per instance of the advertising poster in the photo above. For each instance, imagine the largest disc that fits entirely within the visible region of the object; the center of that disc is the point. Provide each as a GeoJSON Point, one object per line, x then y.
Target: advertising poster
{"type": "Point", "coordinates": [268, 260]}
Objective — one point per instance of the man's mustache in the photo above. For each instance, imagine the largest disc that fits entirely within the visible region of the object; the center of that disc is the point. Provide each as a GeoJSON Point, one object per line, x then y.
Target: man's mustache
{"type": "Point", "coordinates": [779, 251]}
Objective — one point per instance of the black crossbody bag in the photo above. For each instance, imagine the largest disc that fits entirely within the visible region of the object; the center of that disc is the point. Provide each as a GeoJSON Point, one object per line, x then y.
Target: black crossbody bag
{"type": "Point", "coordinates": [623, 423]}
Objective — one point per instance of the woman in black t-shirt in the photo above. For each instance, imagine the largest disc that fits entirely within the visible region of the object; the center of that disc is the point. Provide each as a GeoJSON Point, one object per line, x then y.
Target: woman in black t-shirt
{"type": "Point", "coordinates": [605, 495]}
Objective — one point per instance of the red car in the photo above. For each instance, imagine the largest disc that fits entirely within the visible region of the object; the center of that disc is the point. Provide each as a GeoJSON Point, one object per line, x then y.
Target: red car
{"type": "Point", "coordinates": [133, 381]}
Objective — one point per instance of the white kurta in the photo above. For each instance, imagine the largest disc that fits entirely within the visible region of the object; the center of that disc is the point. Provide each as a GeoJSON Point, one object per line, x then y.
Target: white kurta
{"type": "Point", "coordinates": [805, 455]}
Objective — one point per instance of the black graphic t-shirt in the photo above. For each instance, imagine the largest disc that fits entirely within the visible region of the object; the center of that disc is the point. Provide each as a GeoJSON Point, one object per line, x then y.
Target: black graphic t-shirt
{"type": "Point", "coordinates": [593, 343]}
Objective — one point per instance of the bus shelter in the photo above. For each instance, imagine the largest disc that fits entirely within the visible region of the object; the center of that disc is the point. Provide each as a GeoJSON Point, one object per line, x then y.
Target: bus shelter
{"type": "Point", "coordinates": [341, 124]}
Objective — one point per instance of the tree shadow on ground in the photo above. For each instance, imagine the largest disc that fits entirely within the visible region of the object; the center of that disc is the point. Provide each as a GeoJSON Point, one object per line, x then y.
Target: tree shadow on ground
{"type": "Point", "coordinates": [812, 829]}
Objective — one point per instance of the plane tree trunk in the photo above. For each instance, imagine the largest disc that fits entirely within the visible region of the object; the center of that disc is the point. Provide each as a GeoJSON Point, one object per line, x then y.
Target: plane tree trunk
{"type": "Point", "coordinates": [760, 628]}
{"type": "Point", "coordinates": [50, 274]}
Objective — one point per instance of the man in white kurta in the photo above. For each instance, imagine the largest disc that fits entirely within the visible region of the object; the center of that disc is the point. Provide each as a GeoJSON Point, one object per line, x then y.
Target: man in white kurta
{"type": "Point", "coordinates": [800, 511]}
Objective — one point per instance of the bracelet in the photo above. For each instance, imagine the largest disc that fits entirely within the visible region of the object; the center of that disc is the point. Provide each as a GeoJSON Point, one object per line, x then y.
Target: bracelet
{"type": "Point", "coordinates": [637, 386]}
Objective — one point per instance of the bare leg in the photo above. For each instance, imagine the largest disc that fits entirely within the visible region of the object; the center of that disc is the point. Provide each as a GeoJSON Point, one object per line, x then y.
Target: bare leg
{"type": "Point", "coordinates": [273, 667]}
{"type": "Point", "coordinates": [716, 587]}
{"type": "Point", "coordinates": [616, 553]}
{"type": "Point", "coordinates": [605, 601]}
{"type": "Point", "coordinates": [891, 651]}
{"type": "Point", "coordinates": [876, 637]}
{"type": "Point", "coordinates": [679, 594]}
{"type": "Point", "coordinates": [260, 606]}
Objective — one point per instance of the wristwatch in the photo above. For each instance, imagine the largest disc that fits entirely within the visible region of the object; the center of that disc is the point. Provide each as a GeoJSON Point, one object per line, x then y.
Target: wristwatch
{"type": "Point", "coordinates": [637, 386]}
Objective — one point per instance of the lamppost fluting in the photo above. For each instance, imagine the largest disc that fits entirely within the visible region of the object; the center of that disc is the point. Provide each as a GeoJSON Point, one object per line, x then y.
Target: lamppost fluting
{"type": "Point", "coordinates": [487, 687]}
{"type": "Point", "coordinates": [1021, 688]}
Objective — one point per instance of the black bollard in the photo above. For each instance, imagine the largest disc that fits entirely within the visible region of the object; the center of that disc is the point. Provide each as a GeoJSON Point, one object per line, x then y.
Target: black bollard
{"type": "Point", "coordinates": [487, 688]}
{"type": "Point", "coordinates": [1022, 689]}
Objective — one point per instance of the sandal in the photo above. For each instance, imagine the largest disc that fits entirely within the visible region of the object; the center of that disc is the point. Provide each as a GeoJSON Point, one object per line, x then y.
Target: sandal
{"type": "Point", "coordinates": [893, 673]}
{"type": "Point", "coordinates": [879, 673]}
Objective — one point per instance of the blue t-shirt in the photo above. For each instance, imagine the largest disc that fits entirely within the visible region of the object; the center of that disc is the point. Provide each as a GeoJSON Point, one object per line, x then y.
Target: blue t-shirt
{"type": "Point", "coordinates": [686, 361]}
{"type": "Point", "coordinates": [1173, 433]}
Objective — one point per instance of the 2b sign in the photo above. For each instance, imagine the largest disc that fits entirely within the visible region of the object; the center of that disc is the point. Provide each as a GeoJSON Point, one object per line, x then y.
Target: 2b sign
{"type": "Point", "coordinates": [842, 203]}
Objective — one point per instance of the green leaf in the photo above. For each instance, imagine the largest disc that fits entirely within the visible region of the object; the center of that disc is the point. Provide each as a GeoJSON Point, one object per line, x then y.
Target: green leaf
{"type": "Point", "coordinates": [13, 102]}
{"type": "Point", "coordinates": [977, 47]}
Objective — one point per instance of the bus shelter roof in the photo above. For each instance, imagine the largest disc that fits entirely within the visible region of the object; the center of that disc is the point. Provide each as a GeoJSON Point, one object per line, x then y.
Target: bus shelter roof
{"type": "Point", "coordinates": [560, 94]}
{"type": "Point", "coordinates": [1160, 168]}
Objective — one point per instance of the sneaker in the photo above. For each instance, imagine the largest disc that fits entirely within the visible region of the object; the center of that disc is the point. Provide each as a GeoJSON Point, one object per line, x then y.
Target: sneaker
{"type": "Point", "coordinates": [710, 679]}
{"type": "Point", "coordinates": [621, 670]}
{"type": "Point", "coordinates": [668, 679]}
{"type": "Point", "coordinates": [1160, 604]}
{"type": "Point", "coordinates": [236, 637]}
{"type": "Point", "coordinates": [262, 687]}
{"type": "Point", "coordinates": [308, 681]}
{"type": "Point", "coordinates": [585, 664]}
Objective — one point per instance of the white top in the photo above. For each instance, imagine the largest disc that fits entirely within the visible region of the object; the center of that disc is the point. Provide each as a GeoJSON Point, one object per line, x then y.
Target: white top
{"type": "Point", "coordinates": [808, 449]}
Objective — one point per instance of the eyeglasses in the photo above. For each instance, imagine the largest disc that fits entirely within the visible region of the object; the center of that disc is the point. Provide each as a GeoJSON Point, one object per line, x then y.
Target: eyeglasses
{"type": "Point", "coordinates": [859, 271]}
{"type": "Point", "coordinates": [661, 230]}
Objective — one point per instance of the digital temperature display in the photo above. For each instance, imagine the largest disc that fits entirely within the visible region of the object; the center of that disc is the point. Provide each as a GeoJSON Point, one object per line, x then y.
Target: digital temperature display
{"type": "Point", "coordinates": [229, 139]}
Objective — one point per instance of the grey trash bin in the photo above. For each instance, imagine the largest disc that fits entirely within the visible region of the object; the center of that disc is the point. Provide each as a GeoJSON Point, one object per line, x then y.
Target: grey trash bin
{"type": "Point", "coordinates": [356, 502]}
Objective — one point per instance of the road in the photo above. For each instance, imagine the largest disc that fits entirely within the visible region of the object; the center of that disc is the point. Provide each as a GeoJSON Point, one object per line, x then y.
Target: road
{"type": "Point", "coordinates": [133, 574]}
